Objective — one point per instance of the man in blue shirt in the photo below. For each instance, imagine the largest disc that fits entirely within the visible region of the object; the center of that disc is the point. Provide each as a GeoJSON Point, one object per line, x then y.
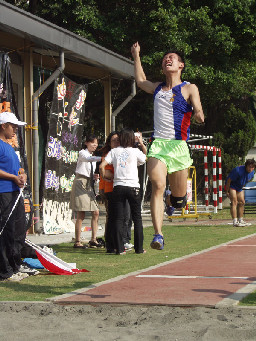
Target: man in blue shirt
{"type": "Point", "coordinates": [12, 212]}
{"type": "Point", "coordinates": [236, 180]}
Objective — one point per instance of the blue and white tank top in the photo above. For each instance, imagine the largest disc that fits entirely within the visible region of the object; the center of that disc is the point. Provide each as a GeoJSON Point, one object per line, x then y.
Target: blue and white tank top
{"type": "Point", "coordinates": [172, 113]}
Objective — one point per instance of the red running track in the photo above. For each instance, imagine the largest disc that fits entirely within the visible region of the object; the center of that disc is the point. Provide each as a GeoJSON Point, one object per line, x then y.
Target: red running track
{"type": "Point", "coordinates": [202, 279]}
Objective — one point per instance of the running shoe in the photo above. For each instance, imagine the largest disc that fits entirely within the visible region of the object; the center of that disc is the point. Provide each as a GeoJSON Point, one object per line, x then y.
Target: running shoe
{"type": "Point", "coordinates": [169, 210]}
{"type": "Point", "coordinates": [157, 242]}
{"type": "Point", "coordinates": [128, 246]}
{"type": "Point", "coordinates": [18, 276]}
{"type": "Point", "coordinates": [239, 224]}
{"type": "Point", "coordinates": [244, 222]}
{"type": "Point", "coordinates": [26, 270]}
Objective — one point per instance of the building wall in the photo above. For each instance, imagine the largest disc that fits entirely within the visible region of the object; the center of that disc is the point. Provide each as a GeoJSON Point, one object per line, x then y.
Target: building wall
{"type": "Point", "coordinates": [252, 153]}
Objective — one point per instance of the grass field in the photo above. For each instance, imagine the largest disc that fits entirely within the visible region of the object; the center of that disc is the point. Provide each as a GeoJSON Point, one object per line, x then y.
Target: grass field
{"type": "Point", "coordinates": [180, 239]}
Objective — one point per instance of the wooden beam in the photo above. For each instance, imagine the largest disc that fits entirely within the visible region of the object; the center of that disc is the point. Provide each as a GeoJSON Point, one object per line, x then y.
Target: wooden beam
{"type": "Point", "coordinates": [17, 44]}
{"type": "Point", "coordinates": [108, 107]}
{"type": "Point", "coordinates": [72, 68]}
{"type": "Point", "coordinates": [13, 42]}
{"type": "Point", "coordinates": [28, 91]}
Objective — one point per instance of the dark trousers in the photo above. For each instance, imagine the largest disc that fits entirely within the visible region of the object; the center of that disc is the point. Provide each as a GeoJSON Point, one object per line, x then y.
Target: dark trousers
{"type": "Point", "coordinates": [109, 234]}
{"type": "Point", "coordinates": [132, 195]}
{"type": "Point", "coordinates": [127, 223]}
{"type": "Point", "coordinates": [13, 236]}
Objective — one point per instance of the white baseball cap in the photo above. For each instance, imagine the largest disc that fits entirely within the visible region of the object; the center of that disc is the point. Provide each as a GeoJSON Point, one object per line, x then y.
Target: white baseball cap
{"type": "Point", "coordinates": [9, 117]}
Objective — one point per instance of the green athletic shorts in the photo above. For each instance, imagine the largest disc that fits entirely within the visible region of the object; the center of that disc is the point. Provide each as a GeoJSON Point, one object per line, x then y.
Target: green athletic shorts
{"type": "Point", "coordinates": [174, 153]}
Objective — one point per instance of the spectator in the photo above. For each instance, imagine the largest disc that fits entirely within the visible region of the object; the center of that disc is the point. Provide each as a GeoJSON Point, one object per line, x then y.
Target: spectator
{"type": "Point", "coordinates": [12, 212]}
{"type": "Point", "coordinates": [235, 182]}
{"type": "Point", "coordinates": [82, 197]}
{"type": "Point", "coordinates": [106, 189]}
{"type": "Point", "coordinates": [125, 160]}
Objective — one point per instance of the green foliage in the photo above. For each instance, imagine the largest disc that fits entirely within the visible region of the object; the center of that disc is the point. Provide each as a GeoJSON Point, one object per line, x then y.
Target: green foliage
{"type": "Point", "coordinates": [236, 138]}
{"type": "Point", "coordinates": [217, 37]}
{"type": "Point", "coordinates": [74, 15]}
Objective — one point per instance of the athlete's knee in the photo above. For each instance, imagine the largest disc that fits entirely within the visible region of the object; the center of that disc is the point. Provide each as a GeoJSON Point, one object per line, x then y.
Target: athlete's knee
{"type": "Point", "coordinates": [158, 186]}
{"type": "Point", "coordinates": [233, 203]}
{"type": "Point", "coordinates": [241, 203]}
{"type": "Point", "coordinates": [178, 202]}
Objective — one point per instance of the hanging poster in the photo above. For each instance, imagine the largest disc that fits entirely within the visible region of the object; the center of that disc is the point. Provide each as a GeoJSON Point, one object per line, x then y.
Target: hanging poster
{"type": "Point", "coordinates": [63, 145]}
{"type": "Point", "coordinates": [8, 103]}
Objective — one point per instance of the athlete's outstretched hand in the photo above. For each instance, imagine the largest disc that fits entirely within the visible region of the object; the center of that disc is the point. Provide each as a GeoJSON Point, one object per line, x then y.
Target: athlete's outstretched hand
{"type": "Point", "coordinates": [135, 49]}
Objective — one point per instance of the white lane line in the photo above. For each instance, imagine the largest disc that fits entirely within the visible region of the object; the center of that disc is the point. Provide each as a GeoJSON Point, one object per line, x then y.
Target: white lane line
{"type": "Point", "coordinates": [189, 277]}
{"type": "Point", "coordinates": [242, 245]}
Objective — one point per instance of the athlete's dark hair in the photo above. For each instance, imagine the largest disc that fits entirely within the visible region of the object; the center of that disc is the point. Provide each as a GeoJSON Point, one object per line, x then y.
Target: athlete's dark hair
{"type": "Point", "coordinates": [250, 162]}
{"type": "Point", "coordinates": [127, 138]}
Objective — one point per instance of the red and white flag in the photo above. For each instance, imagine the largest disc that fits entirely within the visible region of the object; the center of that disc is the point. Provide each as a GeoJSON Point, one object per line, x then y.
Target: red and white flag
{"type": "Point", "coordinates": [53, 263]}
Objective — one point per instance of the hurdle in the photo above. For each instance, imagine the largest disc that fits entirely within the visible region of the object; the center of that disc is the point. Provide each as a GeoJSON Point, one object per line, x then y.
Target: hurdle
{"type": "Point", "coordinates": [214, 151]}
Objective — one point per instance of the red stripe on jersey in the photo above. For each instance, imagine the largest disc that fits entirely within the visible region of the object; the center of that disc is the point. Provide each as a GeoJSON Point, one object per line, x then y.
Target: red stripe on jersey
{"type": "Point", "coordinates": [184, 125]}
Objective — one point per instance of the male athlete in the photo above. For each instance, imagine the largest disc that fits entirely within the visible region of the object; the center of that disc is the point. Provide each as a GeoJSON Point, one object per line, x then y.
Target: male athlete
{"type": "Point", "coordinates": [174, 102]}
{"type": "Point", "coordinates": [236, 180]}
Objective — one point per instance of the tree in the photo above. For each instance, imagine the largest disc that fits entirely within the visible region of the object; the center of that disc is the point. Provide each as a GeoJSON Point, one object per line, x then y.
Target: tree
{"type": "Point", "coordinates": [217, 37]}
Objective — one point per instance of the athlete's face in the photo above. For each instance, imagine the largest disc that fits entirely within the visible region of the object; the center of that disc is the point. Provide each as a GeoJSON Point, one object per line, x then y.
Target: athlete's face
{"type": "Point", "coordinates": [249, 168]}
{"type": "Point", "coordinates": [171, 63]}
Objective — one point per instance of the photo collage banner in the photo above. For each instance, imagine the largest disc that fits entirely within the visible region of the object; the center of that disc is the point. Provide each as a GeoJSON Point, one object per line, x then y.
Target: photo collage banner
{"type": "Point", "coordinates": [63, 145]}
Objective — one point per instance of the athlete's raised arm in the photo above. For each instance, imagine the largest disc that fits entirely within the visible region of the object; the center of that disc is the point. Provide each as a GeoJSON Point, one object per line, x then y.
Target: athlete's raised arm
{"type": "Point", "coordinates": [196, 103]}
{"type": "Point", "coordinates": [140, 76]}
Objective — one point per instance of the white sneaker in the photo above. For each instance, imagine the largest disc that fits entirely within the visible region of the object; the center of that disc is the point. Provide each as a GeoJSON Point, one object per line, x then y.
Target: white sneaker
{"type": "Point", "coordinates": [239, 224]}
{"type": "Point", "coordinates": [128, 246]}
{"type": "Point", "coordinates": [25, 269]}
{"type": "Point", "coordinates": [244, 222]}
{"type": "Point", "coordinates": [18, 276]}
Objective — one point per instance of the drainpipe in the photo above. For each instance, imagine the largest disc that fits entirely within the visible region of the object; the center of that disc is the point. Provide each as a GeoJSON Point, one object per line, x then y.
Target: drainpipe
{"type": "Point", "coordinates": [121, 106]}
{"type": "Point", "coordinates": [35, 105]}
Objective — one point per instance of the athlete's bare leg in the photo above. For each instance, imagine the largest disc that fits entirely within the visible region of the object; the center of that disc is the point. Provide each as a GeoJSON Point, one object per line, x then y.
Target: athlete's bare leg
{"type": "Point", "coordinates": [178, 183]}
{"type": "Point", "coordinates": [241, 202]}
{"type": "Point", "coordinates": [157, 174]}
{"type": "Point", "coordinates": [233, 199]}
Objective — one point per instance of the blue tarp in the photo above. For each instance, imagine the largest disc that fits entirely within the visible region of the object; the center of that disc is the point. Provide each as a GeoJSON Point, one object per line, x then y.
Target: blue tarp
{"type": "Point", "coordinates": [250, 193]}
